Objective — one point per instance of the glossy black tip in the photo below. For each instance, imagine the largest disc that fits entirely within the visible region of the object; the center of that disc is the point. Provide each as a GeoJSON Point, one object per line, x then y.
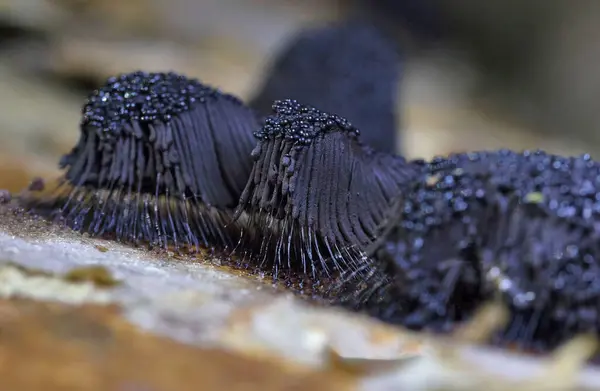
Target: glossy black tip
{"type": "Point", "coordinates": [301, 124]}
{"type": "Point", "coordinates": [349, 69]}
{"type": "Point", "coordinates": [143, 97]}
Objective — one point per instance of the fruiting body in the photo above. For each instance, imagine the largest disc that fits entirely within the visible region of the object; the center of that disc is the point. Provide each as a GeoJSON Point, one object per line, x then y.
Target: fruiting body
{"type": "Point", "coordinates": [161, 158]}
{"type": "Point", "coordinates": [166, 160]}
{"type": "Point", "coordinates": [519, 226]}
{"type": "Point", "coordinates": [316, 191]}
{"type": "Point", "coordinates": [348, 69]}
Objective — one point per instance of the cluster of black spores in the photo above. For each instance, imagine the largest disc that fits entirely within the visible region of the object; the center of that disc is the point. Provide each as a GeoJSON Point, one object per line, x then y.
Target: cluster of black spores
{"type": "Point", "coordinates": [144, 97]}
{"type": "Point", "coordinates": [301, 123]}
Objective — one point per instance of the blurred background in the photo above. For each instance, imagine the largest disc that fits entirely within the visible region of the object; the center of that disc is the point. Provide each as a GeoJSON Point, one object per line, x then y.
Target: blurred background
{"type": "Point", "coordinates": [476, 74]}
